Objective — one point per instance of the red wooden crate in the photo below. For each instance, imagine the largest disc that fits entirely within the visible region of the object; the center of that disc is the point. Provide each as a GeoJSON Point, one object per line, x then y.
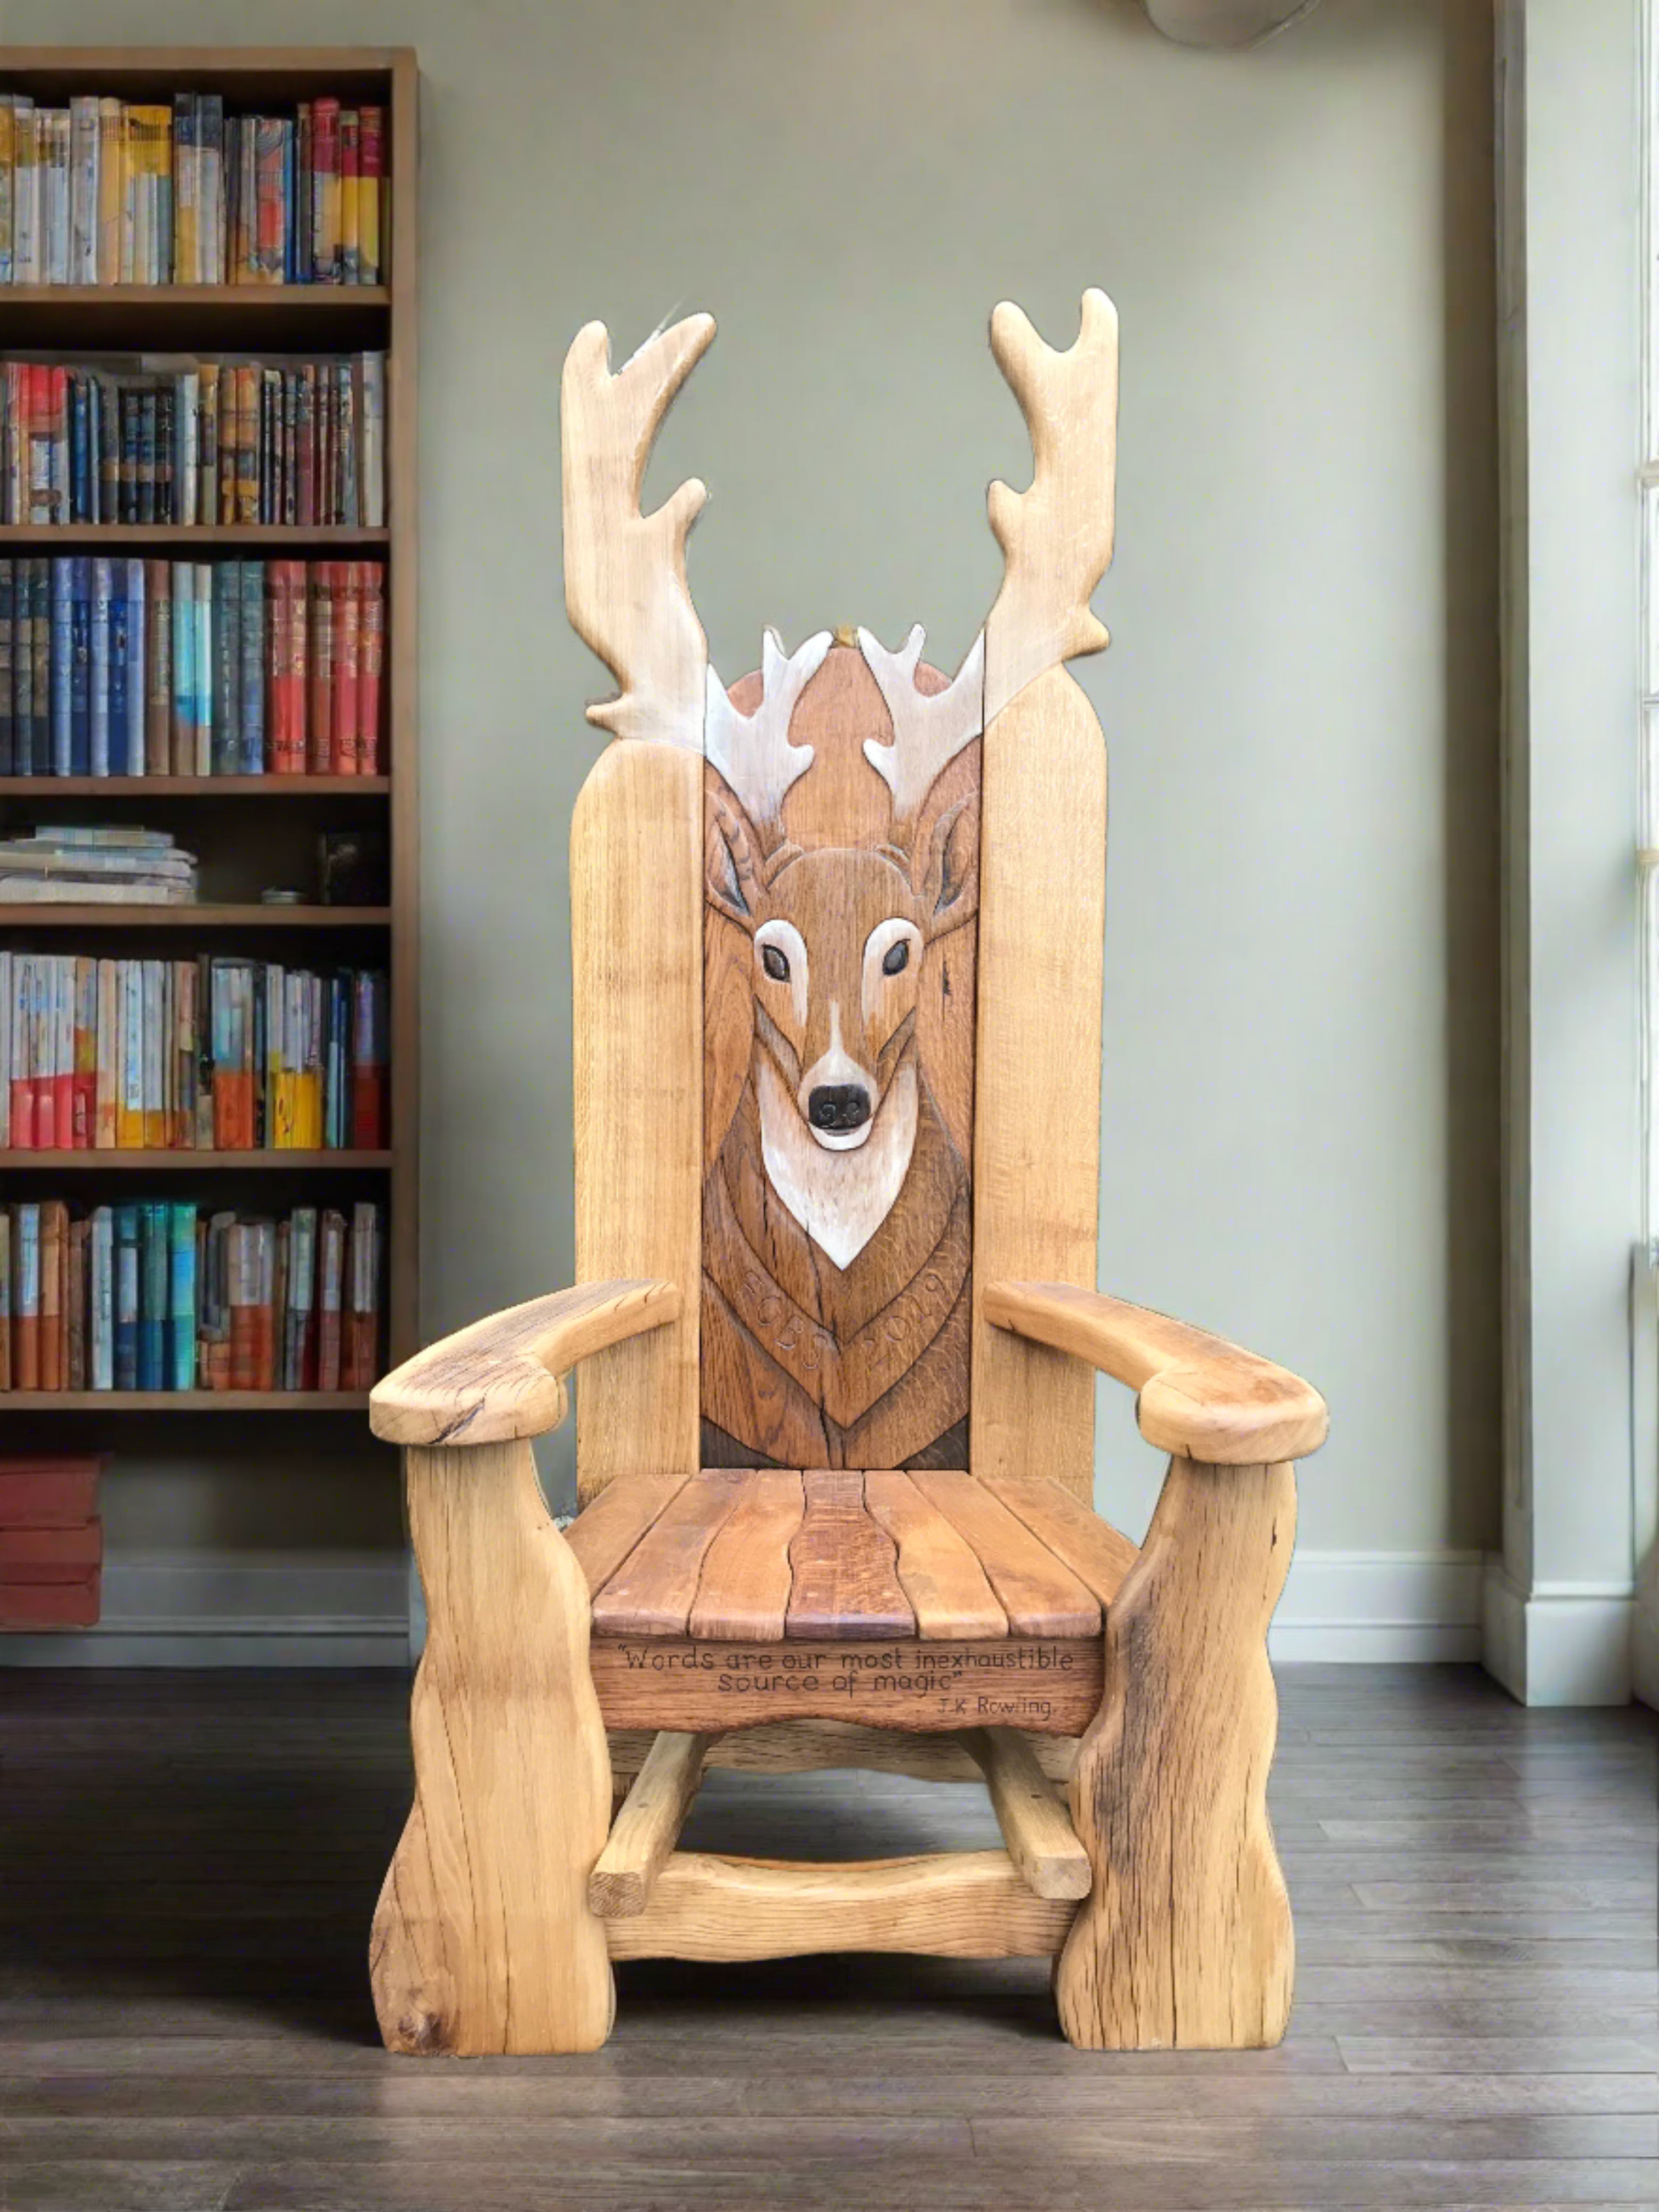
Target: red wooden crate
{"type": "Point", "coordinates": [50, 1555]}
{"type": "Point", "coordinates": [49, 1605]}
{"type": "Point", "coordinates": [48, 1493]}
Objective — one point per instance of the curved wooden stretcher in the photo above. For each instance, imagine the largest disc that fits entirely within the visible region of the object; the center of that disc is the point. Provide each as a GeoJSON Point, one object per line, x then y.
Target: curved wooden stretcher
{"type": "Point", "coordinates": [837, 937]}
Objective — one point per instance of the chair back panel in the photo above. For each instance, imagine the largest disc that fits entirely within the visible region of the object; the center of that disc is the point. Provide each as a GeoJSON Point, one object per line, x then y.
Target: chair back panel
{"type": "Point", "coordinates": [1037, 1151]}
{"type": "Point", "coordinates": [636, 983]}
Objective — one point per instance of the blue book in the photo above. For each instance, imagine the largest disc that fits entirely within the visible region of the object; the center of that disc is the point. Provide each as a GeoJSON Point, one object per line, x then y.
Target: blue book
{"type": "Point", "coordinates": [82, 477]}
{"type": "Point", "coordinates": [184, 758]}
{"type": "Point", "coordinates": [63, 662]}
{"type": "Point", "coordinates": [117, 738]}
{"type": "Point", "coordinates": [206, 748]}
{"type": "Point", "coordinates": [126, 1298]}
{"type": "Point", "coordinates": [225, 669]}
{"type": "Point", "coordinates": [181, 1310]}
{"type": "Point", "coordinates": [253, 668]}
{"type": "Point", "coordinates": [102, 587]}
{"type": "Point", "coordinates": [80, 664]}
{"type": "Point", "coordinates": [154, 1238]}
{"type": "Point", "coordinates": [136, 687]}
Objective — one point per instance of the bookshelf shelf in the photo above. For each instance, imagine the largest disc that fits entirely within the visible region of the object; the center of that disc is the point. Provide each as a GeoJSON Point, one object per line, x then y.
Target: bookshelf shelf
{"type": "Point", "coordinates": [195, 787]}
{"type": "Point", "coordinates": [194, 917]}
{"type": "Point", "coordinates": [138, 1161]}
{"type": "Point", "coordinates": [319, 298]}
{"type": "Point", "coordinates": [112, 536]}
{"type": "Point", "coordinates": [187, 1401]}
{"type": "Point", "coordinates": [241, 847]}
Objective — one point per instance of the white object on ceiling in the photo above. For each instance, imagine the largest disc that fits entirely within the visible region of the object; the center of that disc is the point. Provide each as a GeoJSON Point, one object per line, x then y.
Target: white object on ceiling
{"type": "Point", "coordinates": [1225, 23]}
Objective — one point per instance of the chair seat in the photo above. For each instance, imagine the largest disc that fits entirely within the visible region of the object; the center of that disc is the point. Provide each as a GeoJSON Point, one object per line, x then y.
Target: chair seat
{"type": "Point", "coordinates": [766, 1556]}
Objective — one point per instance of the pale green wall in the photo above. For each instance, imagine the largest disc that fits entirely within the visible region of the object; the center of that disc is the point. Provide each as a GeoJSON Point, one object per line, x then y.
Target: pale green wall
{"type": "Point", "coordinates": [1301, 700]}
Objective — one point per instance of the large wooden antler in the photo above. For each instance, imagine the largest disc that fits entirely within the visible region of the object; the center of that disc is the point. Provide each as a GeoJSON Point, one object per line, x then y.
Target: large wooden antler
{"type": "Point", "coordinates": [1057, 537]}
{"type": "Point", "coordinates": [624, 571]}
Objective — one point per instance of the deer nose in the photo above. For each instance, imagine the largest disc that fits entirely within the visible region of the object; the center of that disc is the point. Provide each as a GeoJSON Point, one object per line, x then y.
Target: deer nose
{"type": "Point", "coordinates": [838, 1106]}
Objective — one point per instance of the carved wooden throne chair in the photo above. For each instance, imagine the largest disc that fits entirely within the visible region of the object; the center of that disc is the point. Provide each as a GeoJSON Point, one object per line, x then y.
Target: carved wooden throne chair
{"type": "Point", "coordinates": [837, 953]}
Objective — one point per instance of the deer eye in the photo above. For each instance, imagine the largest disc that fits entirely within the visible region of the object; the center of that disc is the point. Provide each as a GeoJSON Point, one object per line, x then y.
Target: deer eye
{"type": "Point", "coordinates": [897, 958]}
{"type": "Point", "coordinates": [774, 963]}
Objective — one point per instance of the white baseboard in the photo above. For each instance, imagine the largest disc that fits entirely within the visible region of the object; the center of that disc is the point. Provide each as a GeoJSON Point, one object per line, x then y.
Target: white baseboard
{"type": "Point", "coordinates": [1562, 1643]}
{"type": "Point", "coordinates": [1379, 1608]}
{"type": "Point", "coordinates": [236, 1609]}
{"type": "Point", "coordinates": [239, 1610]}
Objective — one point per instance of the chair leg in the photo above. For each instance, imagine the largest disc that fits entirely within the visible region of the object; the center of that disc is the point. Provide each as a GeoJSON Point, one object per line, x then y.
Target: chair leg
{"type": "Point", "coordinates": [1185, 1941]}
{"type": "Point", "coordinates": [482, 1939]}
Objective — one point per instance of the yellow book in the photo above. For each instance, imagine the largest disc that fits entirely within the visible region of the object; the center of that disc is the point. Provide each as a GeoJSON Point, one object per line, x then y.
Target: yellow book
{"type": "Point", "coordinates": [111, 188]}
{"type": "Point", "coordinates": [7, 158]}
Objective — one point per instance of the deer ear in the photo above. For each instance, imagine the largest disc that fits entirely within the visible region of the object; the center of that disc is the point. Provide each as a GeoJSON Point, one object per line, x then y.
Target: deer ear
{"type": "Point", "coordinates": [732, 870]}
{"type": "Point", "coordinates": [949, 886]}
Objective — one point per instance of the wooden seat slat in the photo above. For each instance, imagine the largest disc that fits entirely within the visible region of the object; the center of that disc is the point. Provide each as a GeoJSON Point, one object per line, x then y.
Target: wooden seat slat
{"type": "Point", "coordinates": [743, 1591]}
{"type": "Point", "coordinates": [1039, 1593]}
{"type": "Point", "coordinates": [937, 1568]}
{"type": "Point", "coordinates": [651, 1594]}
{"type": "Point", "coordinates": [844, 1567]}
{"type": "Point", "coordinates": [604, 1534]}
{"type": "Point", "coordinates": [1096, 1554]}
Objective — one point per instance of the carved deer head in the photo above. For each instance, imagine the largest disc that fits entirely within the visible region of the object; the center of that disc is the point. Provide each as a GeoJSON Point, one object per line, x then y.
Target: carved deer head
{"type": "Point", "coordinates": [838, 933]}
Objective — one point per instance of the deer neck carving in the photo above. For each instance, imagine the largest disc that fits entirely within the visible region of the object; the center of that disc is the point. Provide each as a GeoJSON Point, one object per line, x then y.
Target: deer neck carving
{"type": "Point", "coordinates": [841, 888]}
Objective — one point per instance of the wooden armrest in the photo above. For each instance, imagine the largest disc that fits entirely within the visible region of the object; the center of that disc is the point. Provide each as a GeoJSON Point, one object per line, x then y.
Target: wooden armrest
{"type": "Point", "coordinates": [1199, 1395]}
{"type": "Point", "coordinates": [502, 1378]}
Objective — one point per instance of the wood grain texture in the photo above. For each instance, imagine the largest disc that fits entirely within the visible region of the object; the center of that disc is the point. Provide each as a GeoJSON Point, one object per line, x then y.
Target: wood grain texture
{"type": "Point", "coordinates": [1056, 536]}
{"type": "Point", "coordinates": [483, 1940]}
{"type": "Point", "coordinates": [835, 1316]}
{"type": "Point", "coordinates": [1097, 1554]}
{"type": "Point", "coordinates": [651, 1593]}
{"type": "Point", "coordinates": [1038, 1592]}
{"type": "Point", "coordinates": [953, 1905]}
{"type": "Point", "coordinates": [808, 1747]}
{"type": "Point", "coordinates": [647, 1826]}
{"type": "Point", "coordinates": [1050, 1686]}
{"type": "Point", "coordinates": [624, 572]}
{"type": "Point", "coordinates": [937, 1568]}
{"type": "Point", "coordinates": [636, 993]}
{"type": "Point", "coordinates": [1031, 1814]}
{"type": "Point", "coordinates": [1185, 1941]}
{"type": "Point", "coordinates": [1199, 1396]}
{"type": "Point", "coordinates": [603, 1534]}
{"type": "Point", "coordinates": [1036, 1122]}
{"type": "Point", "coordinates": [843, 1567]}
{"type": "Point", "coordinates": [503, 1378]}
{"type": "Point", "coordinates": [743, 1591]}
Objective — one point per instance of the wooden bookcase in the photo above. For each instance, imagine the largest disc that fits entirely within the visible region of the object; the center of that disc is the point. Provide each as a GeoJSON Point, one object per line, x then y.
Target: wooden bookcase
{"type": "Point", "coordinates": [253, 829]}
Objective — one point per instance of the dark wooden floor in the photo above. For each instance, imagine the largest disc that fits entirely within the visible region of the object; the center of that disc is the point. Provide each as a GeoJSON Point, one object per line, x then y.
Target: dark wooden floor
{"type": "Point", "coordinates": [189, 1864]}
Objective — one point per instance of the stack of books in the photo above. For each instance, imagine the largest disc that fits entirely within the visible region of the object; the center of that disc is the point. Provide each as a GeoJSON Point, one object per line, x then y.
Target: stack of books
{"type": "Point", "coordinates": [217, 1054]}
{"type": "Point", "coordinates": [146, 438]}
{"type": "Point", "coordinates": [104, 191]}
{"type": "Point", "coordinates": [111, 665]}
{"type": "Point", "coordinates": [52, 1542]}
{"type": "Point", "coordinates": [72, 865]}
{"type": "Point", "coordinates": [154, 1295]}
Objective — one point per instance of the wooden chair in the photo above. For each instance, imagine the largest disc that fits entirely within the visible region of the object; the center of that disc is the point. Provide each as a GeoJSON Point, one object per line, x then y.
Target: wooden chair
{"type": "Point", "coordinates": [838, 952]}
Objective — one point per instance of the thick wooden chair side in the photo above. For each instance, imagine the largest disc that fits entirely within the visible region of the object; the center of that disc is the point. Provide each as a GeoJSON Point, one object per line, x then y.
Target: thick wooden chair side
{"type": "Point", "coordinates": [852, 1527]}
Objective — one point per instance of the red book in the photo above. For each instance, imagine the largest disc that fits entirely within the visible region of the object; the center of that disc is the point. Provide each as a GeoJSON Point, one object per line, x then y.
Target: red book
{"type": "Point", "coordinates": [371, 160]}
{"type": "Point", "coordinates": [286, 634]}
{"type": "Point", "coordinates": [49, 1605]}
{"type": "Point", "coordinates": [343, 653]}
{"type": "Point", "coordinates": [368, 1062]}
{"type": "Point", "coordinates": [319, 621]}
{"type": "Point", "coordinates": [54, 1255]}
{"type": "Point", "coordinates": [60, 1493]}
{"type": "Point", "coordinates": [371, 657]}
